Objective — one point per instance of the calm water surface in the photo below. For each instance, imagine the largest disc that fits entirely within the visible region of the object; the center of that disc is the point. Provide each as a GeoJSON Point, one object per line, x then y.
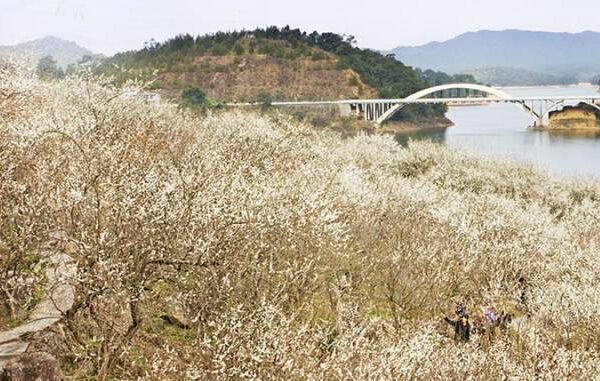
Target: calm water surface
{"type": "Point", "coordinates": [501, 130]}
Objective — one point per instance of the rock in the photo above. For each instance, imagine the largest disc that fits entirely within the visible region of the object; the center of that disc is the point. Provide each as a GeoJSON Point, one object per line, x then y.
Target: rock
{"type": "Point", "coordinates": [32, 367]}
{"type": "Point", "coordinates": [177, 321]}
{"type": "Point", "coordinates": [70, 248]}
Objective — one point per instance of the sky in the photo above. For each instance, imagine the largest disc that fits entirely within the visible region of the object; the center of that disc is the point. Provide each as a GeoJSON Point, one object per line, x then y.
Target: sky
{"type": "Point", "coordinates": [110, 26]}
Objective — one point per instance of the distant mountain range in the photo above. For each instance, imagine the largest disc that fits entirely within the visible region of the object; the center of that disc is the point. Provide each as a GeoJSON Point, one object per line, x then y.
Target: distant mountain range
{"type": "Point", "coordinates": [64, 52]}
{"type": "Point", "coordinates": [512, 57]}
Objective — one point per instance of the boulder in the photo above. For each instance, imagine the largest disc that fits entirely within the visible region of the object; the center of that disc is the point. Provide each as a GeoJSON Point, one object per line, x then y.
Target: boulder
{"type": "Point", "coordinates": [32, 367]}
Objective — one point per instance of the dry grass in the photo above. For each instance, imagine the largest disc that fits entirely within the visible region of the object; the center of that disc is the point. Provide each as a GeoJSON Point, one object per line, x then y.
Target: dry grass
{"type": "Point", "coordinates": [293, 254]}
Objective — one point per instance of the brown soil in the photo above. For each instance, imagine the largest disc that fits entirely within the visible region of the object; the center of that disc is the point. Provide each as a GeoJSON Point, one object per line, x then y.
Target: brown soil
{"type": "Point", "coordinates": [242, 78]}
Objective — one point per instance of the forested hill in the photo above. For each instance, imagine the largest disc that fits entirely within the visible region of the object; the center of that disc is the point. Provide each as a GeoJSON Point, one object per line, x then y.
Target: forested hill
{"type": "Point", "coordinates": [271, 63]}
{"type": "Point", "coordinates": [512, 57]}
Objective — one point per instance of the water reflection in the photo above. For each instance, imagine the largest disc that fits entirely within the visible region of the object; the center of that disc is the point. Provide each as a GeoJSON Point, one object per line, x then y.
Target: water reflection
{"type": "Point", "coordinates": [561, 135]}
{"type": "Point", "coordinates": [436, 135]}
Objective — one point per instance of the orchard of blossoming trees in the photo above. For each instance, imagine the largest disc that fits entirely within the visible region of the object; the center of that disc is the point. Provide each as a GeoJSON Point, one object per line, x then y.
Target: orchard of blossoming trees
{"type": "Point", "coordinates": [236, 246]}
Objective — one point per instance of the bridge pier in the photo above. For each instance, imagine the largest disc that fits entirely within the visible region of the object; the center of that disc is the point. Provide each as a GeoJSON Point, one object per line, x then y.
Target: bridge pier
{"type": "Point", "coordinates": [369, 111]}
{"type": "Point", "coordinates": [345, 110]}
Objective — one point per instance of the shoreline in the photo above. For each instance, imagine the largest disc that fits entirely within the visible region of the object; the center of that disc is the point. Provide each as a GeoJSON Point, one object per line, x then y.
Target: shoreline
{"type": "Point", "coordinates": [390, 127]}
{"type": "Point", "coordinates": [411, 127]}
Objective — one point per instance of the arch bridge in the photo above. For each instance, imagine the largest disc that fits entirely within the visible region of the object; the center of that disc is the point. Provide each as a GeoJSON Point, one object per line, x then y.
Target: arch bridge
{"type": "Point", "coordinates": [380, 110]}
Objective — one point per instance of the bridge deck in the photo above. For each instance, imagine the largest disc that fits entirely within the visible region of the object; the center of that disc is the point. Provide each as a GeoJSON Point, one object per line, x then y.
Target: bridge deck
{"type": "Point", "coordinates": [472, 100]}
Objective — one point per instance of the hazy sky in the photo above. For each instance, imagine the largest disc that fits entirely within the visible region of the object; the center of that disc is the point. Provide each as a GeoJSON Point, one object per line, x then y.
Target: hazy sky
{"type": "Point", "coordinates": [108, 26]}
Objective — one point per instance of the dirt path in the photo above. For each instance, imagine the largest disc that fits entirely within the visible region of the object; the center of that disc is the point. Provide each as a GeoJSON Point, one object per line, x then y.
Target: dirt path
{"type": "Point", "coordinates": [59, 297]}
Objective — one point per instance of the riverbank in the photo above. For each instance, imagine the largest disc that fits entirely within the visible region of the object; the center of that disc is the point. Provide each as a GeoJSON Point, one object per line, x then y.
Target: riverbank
{"type": "Point", "coordinates": [355, 128]}
{"type": "Point", "coordinates": [328, 118]}
{"type": "Point", "coordinates": [399, 127]}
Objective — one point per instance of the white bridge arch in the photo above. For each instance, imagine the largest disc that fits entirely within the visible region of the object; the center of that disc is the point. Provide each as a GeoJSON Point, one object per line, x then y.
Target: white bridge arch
{"type": "Point", "coordinates": [495, 93]}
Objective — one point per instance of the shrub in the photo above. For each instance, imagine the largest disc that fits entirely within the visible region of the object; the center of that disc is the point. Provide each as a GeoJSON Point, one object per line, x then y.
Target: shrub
{"type": "Point", "coordinates": [341, 65]}
{"type": "Point", "coordinates": [220, 50]}
{"type": "Point", "coordinates": [318, 56]}
{"type": "Point", "coordinates": [354, 81]}
{"type": "Point", "coordinates": [264, 98]}
{"type": "Point", "coordinates": [252, 47]}
{"type": "Point", "coordinates": [194, 97]}
{"type": "Point", "coordinates": [266, 48]}
{"type": "Point", "coordinates": [238, 49]}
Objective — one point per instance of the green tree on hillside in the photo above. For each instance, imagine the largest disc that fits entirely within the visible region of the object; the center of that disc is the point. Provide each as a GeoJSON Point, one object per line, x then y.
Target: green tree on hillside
{"type": "Point", "coordinates": [48, 69]}
{"type": "Point", "coordinates": [194, 97]}
{"type": "Point", "coordinates": [436, 78]}
{"type": "Point", "coordinates": [264, 98]}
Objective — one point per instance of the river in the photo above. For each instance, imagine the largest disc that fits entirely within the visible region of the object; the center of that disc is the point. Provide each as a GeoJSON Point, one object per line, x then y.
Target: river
{"type": "Point", "coordinates": [501, 130]}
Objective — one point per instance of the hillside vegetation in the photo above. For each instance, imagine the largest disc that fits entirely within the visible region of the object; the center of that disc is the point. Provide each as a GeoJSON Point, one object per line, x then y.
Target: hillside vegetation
{"type": "Point", "coordinates": [272, 63]}
{"type": "Point", "coordinates": [234, 247]}
{"type": "Point", "coordinates": [506, 76]}
{"type": "Point", "coordinates": [266, 68]}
